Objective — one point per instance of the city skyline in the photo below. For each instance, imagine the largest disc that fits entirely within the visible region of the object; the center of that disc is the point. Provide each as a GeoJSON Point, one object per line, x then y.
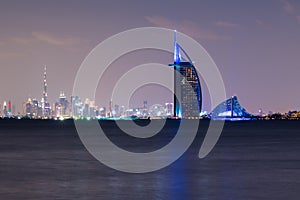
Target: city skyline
{"type": "Point", "coordinates": [255, 45]}
{"type": "Point", "coordinates": [76, 107]}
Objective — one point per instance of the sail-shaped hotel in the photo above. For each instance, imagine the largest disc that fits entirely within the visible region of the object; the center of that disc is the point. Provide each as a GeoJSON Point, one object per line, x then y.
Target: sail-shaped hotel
{"type": "Point", "coordinates": [187, 88]}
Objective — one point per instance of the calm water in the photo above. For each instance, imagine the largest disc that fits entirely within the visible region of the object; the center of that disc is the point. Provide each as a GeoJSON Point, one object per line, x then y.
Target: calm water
{"type": "Point", "coordinates": [252, 160]}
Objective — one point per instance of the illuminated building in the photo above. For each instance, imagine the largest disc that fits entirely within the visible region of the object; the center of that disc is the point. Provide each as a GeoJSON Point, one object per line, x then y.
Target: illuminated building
{"type": "Point", "coordinates": [156, 110]}
{"type": "Point", "coordinates": [57, 110]}
{"type": "Point", "coordinates": [230, 108]}
{"type": "Point", "coordinates": [110, 106]}
{"type": "Point", "coordinates": [92, 110]}
{"type": "Point", "coordinates": [4, 109]}
{"type": "Point", "coordinates": [187, 88]}
{"type": "Point", "coordinates": [122, 110]}
{"type": "Point", "coordinates": [102, 112]}
{"type": "Point", "coordinates": [27, 107]}
{"type": "Point", "coordinates": [116, 111]}
{"type": "Point", "coordinates": [46, 109]}
{"type": "Point", "coordinates": [64, 104]}
{"type": "Point", "coordinates": [45, 95]}
{"type": "Point", "coordinates": [145, 108]}
{"type": "Point", "coordinates": [169, 108]}
{"type": "Point", "coordinates": [36, 109]}
{"type": "Point", "coordinates": [9, 111]}
{"type": "Point", "coordinates": [76, 106]}
{"type": "Point", "coordinates": [86, 108]}
{"type": "Point", "coordinates": [260, 112]}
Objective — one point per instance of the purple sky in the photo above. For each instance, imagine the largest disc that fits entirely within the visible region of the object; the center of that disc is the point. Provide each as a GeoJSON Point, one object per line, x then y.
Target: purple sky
{"type": "Point", "coordinates": [256, 44]}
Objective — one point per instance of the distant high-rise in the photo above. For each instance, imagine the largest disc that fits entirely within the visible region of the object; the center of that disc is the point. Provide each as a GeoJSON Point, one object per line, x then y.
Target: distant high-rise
{"type": "Point", "coordinates": [4, 109]}
{"type": "Point", "coordinates": [9, 109]}
{"type": "Point", "coordinates": [187, 88]}
{"type": "Point", "coordinates": [76, 106]}
{"type": "Point", "coordinates": [110, 107]}
{"type": "Point", "coordinates": [36, 109]}
{"type": "Point", "coordinates": [45, 95]}
{"type": "Point", "coordinates": [86, 108]}
{"type": "Point", "coordinates": [28, 108]}
{"type": "Point", "coordinates": [45, 104]}
{"type": "Point", "coordinates": [64, 104]}
{"type": "Point", "coordinates": [145, 108]}
{"type": "Point", "coordinates": [145, 105]}
{"type": "Point", "coordinates": [169, 108]}
{"type": "Point", "coordinates": [260, 112]}
{"type": "Point", "coordinates": [116, 110]}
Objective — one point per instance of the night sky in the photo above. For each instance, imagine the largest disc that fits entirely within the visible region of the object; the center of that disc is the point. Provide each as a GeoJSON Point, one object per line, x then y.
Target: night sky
{"type": "Point", "coordinates": [255, 44]}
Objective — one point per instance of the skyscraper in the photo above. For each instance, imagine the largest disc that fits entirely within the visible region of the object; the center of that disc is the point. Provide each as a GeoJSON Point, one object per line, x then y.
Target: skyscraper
{"type": "Point", "coordinates": [187, 88]}
{"type": "Point", "coordinates": [76, 106]}
{"type": "Point", "coordinates": [45, 104]}
{"type": "Point", "coordinates": [86, 108]}
{"type": "Point", "coordinates": [28, 108]}
{"type": "Point", "coordinates": [169, 108]}
{"type": "Point", "coordinates": [4, 109]}
{"type": "Point", "coordinates": [63, 103]}
{"type": "Point", "coordinates": [9, 110]}
{"type": "Point", "coordinates": [110, 107]}
{"type": "Point", "coordinates": [45, 95]}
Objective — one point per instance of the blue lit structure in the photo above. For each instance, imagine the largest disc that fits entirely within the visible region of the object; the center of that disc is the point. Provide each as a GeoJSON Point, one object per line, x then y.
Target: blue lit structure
{"type": "Point", "coordinates": [187, 88]}
{"type": "Point", "coordinates": [230, 108]}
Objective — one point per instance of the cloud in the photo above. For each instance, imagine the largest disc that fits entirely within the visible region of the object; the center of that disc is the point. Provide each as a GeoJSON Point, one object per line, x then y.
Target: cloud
{"type": "Point", "coordinates": [287, 7]}
{"type": "Point", "coordinates": [186, 26]}
{"type": "Point", "coordinates": [55, 40]}
{"type": "Point", "coordinates": [24, 41]}
{"type": "Point", "coordinates": [225, 24]}
{"type": "Point", "coordinates": [160, 21]}
{"type": "Point", "coordinates": [290, 9]}
{"type": "Point", "coordinates": [48, 38]}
